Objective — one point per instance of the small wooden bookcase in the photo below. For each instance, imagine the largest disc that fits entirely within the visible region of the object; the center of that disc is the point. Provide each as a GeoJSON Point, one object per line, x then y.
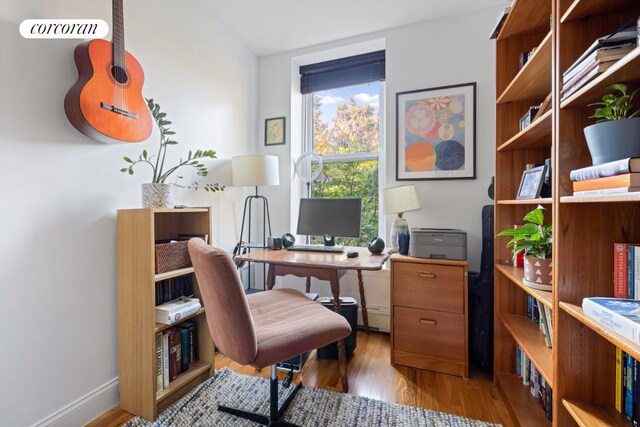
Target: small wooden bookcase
{"type": "Point", "coordinates": [580, 366]}
{"type": "Point", "coordinates": [138, 230]}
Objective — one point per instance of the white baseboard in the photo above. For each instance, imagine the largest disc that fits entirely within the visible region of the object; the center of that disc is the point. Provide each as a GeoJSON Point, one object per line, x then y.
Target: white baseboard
{"type": "Point", "coordinates": [378, 317]}
{"type": "Point", "coordinates": [85, 409]}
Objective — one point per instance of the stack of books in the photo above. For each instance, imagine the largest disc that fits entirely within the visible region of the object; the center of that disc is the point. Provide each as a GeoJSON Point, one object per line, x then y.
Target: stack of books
{"type": "Point", "coordinates": [529, 375]}
{"type": "Point", "coordinates": [599, 57]}
{"type": "Point", "coordinates": [620, 176]}
{"type": "Point", "coordinates": [621, 314]}
{"type": "Point", "coordinates": [175, 352]}
{"type": "Point", "coordinates": [500, 22]}
{"type": "Point", "coordinates": [541, 314]}
{"type": "Point", "coordinates": [173, 311]}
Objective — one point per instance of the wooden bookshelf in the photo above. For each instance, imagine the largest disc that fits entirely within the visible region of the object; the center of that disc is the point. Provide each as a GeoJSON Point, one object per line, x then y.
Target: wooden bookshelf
{"type": "Point", "coordinates": [527, 335]}
{"type": "Point", "coordinates": [604, 198]}
{"type": "Point", "coordinates": [526, 17]}
{"type": "Point", "coordinates": [625, 70]}
{"type": "Point", "coordinates": [626, 345]}
{"type": "Point", "coordinates": [523, 407]}
{"type": "Point", "coordinates": [516, 275]}
{"type": "Point", "coordinates": [533, 82]}
{"type": "Point", "coordinates": [540, 201]}
{"type": "Point", "coordinates": [588, 415]}
{"type": "Point", "coordinates": [138, 230]}
{"type": "Point", "coordinates": [581, 9]}
{"type": "Point", "coordinates": [536, 135]}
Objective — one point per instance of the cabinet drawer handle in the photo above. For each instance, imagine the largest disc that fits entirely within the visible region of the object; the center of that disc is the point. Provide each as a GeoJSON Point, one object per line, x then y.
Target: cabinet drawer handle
{"type": "Point", "coordinates": [428, 321]}
{"type": "Point", "coordinates": [426, 275]}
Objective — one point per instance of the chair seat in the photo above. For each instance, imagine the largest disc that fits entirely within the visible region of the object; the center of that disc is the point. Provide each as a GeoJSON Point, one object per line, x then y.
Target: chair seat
{"type": "Point", "coordinates": [287, 323]}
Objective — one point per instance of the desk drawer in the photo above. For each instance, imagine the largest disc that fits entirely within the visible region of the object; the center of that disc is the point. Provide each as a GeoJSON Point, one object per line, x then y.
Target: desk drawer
{"type": "Point", "coordinates": [428, 286]}
{"type": "Point", "coordinates": [430, 334]}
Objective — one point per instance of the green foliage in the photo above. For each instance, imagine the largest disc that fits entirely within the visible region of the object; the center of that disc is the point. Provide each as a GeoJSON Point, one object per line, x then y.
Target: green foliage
{"type": "Point", "coordinates": [354, 129]}
{"type": "Point", "coordinates": [533, 237]}
{"type": "Point", "coordinates": [353, 180]}
{"type": "Point", "coordinates": [616, 107]}
{"type": "Point", "coordinates": [160, 175]}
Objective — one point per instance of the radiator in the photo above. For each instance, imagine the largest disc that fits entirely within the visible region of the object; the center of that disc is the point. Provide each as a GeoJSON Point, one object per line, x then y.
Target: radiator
{"type": "Point", "coordinates": [378, 318]}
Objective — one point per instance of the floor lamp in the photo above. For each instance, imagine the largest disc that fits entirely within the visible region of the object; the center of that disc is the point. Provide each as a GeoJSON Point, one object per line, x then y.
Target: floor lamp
{"type": "Point", "coordinates": [255, 171]}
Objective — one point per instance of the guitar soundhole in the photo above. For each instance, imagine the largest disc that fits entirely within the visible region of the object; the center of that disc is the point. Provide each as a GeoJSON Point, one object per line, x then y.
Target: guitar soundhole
{"type": "Point", "coordinates": [119, 74]}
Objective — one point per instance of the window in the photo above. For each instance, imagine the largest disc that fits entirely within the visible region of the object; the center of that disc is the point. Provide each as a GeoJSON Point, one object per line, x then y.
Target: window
{"type": "Point", "coordinates": [343, 118]}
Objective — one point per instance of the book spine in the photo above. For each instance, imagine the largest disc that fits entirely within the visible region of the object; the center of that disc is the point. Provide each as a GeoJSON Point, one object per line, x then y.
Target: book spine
{"type": "Point", "coordinates": [620, 270]}
{"type": "Point", "coordinates": [165, 359]}
{"type": "Point", "coordinates": [518, 363]}
{"type": "Point", "coordinates": [612, 320]}
{"type": "Point", "coordinates": [636, 269]}
{"type": "Point", "coordinates": [184, 346]}
{"type": "Point", "coordinates": [634, 409]}
{"type": "Point", "coordinates": [624, 180]}
{"type": "Point", "coordinates": [617, 167]}
{"type": "Point", "coordinates": [545, 327]}
{"type": "Point", "coordinates": [602, 191]}
{"type": "Point", "coordinates": [173, 358]}
{"type": "Point", "coordinates": [178, 342]}
{"type": "Point", "coordinates": [549, 315]}
{"type": "Point", "coordinates": [159, 379]}
{"type": "Point", "coordinates": [549, 412]}
{"type": "Point", "coordinates": [630, 279]}
{"type": "Point", "coordinates": [618, 379]}
{"type": "Point", "coordinates": [628, 407]}
{"type": "Point", "coordinates": [526, 369]}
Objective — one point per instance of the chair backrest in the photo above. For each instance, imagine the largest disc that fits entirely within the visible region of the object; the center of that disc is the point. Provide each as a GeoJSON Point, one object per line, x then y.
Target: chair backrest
{"type": "Point", "coordinates": [228, 315]}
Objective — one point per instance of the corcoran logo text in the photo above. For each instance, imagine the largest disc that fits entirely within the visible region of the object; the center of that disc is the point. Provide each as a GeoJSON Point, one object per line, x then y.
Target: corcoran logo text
{"type": "Point", "coordinates": [64, 29]}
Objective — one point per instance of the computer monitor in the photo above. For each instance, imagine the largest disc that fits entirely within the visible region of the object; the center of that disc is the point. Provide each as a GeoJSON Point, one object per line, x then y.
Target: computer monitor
{"type": "Point", "coordinates": [329, 217]}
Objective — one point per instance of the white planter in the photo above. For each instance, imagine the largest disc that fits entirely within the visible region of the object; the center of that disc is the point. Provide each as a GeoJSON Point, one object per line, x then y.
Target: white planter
{"type": "Point", "coordinates": [158, 196]}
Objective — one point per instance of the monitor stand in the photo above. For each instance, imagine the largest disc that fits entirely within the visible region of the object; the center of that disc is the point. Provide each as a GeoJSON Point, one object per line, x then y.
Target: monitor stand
{"type": "Point", "coordinates": [329, 240]}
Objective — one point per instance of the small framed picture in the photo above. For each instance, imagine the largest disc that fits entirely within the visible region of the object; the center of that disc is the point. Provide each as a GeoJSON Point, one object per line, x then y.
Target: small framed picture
{"type": "Point", "coordinates": [528, 118]}
{"type": "Point", "coordinates": [531, 183]}
{"type": "Point", "coordinates": [274, 131]}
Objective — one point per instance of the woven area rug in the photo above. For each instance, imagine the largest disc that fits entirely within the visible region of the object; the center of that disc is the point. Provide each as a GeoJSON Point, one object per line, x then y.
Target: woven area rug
{"type": "Point", "coordinates": [311, 407]}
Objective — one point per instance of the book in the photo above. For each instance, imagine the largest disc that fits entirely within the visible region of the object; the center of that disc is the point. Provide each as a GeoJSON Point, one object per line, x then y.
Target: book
{"type": "Point", "coordinates": [545, 327]}
{"type": "Point", "coordinates": [620, 270]}
{"type": "Point", "coordinates": [618, 167]}
{"type": "Point", "coordinates": [604, 191]}
{"type": "Point", "coordinates": [178, 343]}
{"type": "Point", "coordinates": [173, 311]}
{"type": "Point", "coordinates": [585, 76]}
{"type": "Point", "coordinates": [165, 359]}
{"type": "Point", "coordinates": [623, 180]}
{"type": "Point", "coordinates": [624, 35]}
{"type": "Point", "coordinates": [499, 23]}
{"type": "Point", "coordinates": [159, 380]}
{"type": "Point", "coordinates": [549, 316]}
{"type": "Point", "coordinates": [620, 315]}
{"type": "Point", "coordinates": [603, 54]}
{"type": "Point", "coordinates": [636, 269]}
{"type": "Point", "coordinates": [618, 401]}
{"type": "Point", "coordinates": [630, 272]}
{"type": "Point", "coordinates": [173, 357]}
{"type": "Point", "coordinates": [184, 348]}
{"type": "Point", "coordinates": [628, 399]}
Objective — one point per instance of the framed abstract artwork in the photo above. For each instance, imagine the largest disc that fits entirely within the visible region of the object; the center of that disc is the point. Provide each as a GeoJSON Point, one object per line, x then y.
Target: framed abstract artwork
{"type": "Point", "coordinates": [274, 131]}
{"type": "Point", "coordinates": [435, 133]}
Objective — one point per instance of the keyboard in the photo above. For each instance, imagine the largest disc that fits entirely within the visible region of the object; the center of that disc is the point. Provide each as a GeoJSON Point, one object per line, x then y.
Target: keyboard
{"type": "Point", "coordinates": [317, 248]}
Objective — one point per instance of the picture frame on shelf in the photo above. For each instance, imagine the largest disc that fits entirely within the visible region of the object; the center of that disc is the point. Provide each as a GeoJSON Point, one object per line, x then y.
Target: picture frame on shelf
{"type": "Point", "coordinates": [435, 133]}
{"type": "Point", "coordinates": [275, 131]}
{"type": "Point", "coordinates": [528, 118]}
{"type": "Point", "coordinates": [531, 183]}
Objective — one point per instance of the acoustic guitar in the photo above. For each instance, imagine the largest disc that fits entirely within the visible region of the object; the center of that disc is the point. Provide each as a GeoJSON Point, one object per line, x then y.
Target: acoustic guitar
{"type": "Point", "coordinates": [106, 102]}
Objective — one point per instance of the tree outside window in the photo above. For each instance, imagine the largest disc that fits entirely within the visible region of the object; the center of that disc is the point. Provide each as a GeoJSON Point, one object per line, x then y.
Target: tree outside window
{"type": "Point", "coordinates": [346, 133]}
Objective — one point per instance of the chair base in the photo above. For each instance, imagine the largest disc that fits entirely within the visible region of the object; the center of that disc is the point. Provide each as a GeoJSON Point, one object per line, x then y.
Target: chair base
{"type": "Point", "coordinates": [275, 418]}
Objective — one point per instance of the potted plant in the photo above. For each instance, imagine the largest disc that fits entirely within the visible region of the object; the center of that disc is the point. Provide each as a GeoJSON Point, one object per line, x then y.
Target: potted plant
{"type": "Point", "coordinates": [534, 238]}
{"type": "Point", "coordinates": [616, 134]}
{"type": "Point", "coordinates": [159, 193]}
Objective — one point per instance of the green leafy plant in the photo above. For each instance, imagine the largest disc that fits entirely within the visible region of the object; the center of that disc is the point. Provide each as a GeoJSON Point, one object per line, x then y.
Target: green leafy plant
{"type": "Point", "coordinates": [156, 161]}
{"type": "Point", "coordinates": [616, 107]}
{"type": "Point", "coordinates": [533, 237]}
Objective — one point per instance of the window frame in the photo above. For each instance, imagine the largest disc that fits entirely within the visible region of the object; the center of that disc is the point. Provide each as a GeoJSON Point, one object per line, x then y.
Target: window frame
{"type": "Point", "coordinates": [380, 155]}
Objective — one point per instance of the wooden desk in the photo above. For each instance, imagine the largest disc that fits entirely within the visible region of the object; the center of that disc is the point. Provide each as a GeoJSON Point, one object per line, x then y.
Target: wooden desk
{"type": "Point", "coordinates": [322, 266]}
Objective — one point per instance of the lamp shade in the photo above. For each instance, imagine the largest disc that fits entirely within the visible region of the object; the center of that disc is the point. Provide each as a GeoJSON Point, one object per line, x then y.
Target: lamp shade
{"type": "Point", "coordinates": [255, 171]}
{"type": "Point", "coordinates": [400, 199]}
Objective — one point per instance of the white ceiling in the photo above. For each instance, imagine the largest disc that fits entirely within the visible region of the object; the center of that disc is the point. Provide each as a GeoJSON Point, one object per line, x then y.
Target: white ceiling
{"type": "Point", "coordinates": [269, 27]}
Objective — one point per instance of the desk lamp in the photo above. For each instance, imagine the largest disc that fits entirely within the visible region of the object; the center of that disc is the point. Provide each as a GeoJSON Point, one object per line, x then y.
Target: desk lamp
{"type": "Point", "coordinates": [398, 200]}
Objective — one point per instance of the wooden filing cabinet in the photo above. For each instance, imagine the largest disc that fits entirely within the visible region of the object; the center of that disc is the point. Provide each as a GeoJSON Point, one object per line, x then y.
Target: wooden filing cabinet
{"type": "Point", "coordinates": [429, 314]}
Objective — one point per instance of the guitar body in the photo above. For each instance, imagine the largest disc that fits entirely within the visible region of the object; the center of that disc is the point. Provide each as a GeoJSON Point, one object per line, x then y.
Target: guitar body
{"type": "Point", "coordinates": [106, 102]}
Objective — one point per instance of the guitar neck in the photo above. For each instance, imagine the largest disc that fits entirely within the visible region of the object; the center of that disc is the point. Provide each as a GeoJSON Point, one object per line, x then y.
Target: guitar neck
{"type": "Point", "coordinates": [118, 33]}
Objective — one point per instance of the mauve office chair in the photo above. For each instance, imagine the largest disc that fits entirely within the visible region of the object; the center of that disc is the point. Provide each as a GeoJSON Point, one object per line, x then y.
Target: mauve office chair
{"type": "Point", "coordinates": [260, 329]}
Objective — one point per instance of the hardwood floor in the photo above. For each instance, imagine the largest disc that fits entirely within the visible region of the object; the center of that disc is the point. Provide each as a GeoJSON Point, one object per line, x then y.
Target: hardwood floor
{"type": "Point", "coordinates": [371, 375]}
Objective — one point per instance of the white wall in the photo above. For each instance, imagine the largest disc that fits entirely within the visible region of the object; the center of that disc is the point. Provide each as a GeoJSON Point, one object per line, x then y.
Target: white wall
{"type": "Point", "coordinates": [61, 192]}
{"type": "Point", "coordinates": [447, 51]}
